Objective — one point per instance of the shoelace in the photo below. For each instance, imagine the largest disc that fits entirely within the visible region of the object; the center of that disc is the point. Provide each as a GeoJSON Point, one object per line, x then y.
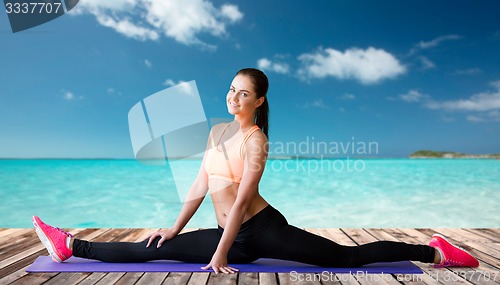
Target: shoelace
{"type": "Point", "coordinates": [452, 263]}
{"type": "Point", "coordinates": [62, 231]}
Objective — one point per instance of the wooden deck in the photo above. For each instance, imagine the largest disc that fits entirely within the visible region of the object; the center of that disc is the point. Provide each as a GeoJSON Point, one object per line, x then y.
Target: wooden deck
{"type": "Point", "coordinates": [20, 247]}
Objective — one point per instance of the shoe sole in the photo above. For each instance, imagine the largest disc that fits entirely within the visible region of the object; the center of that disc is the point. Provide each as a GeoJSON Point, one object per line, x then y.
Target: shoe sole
{"type": "Point", "coordinates": [46, 242]}
{"type": "Point", "coordinates": [455, 246]}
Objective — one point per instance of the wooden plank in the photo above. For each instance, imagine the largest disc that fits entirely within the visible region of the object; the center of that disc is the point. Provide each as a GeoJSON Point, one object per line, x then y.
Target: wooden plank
{"type": "Point", "coordinates": [152, 278]}
{"type": "Point", "coordinates": [129, 278]}
{"type": "Point", "coordinates": [33, 279]}
{"type": "Point", "coordinates": [248, 278]}
{"type": "Point", "coordinates": [110, 278]}
{"type": "Point", "coordinates": [380, 234]}
{"type": "Point", "coordinates": [199, 278]}
{"type": "Point", "coordinates": [7, 235]}
{"type": "Point", "coordinates": [17, 243]}
{"type": "Point", "coordinates": [222, 279]}
{"type": "Point", "coordinates": [92, 278]}
{"type": "Point", "coordinates": [268, 278]}
{"type": "Point", "coordinates": [9, 232]}
{"type": "Point", "coordinates": [14, 276]}
{"type": "Point", "coordinates": [486, 233]}
{"type": "Point", "coordinates": [339, 237]}
{"type": "Point", "coordinates": [177, 278]}
{"type": "Point", "coordinates": [67, 278]}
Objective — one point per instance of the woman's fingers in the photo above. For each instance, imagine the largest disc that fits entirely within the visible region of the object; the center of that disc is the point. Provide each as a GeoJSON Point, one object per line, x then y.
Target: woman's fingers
{"type": "Point", "coordinates": [151, 238]}
{"type": "Point", "coordinates": [223, 269]}
{"type": "Point", "coordinates": [229, 270]}
{"type": "Point", "coordinates": [206, 267]}
{"type": "Point", "coordinates": [160, 242]}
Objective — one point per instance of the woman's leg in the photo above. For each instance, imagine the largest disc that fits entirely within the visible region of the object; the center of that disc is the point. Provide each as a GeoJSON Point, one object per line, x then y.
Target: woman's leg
{"type": "Point", "coordinates": [268, 234]}
{"type": "Point", "coordinates": [292, 243]}
{"type": "Point", "coordinates": [196, 246]}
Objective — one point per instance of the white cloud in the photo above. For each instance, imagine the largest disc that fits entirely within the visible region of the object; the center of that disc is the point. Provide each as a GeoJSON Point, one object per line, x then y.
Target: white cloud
{"type": "Point", "coordinates": [231, 12]}
{"type": "Point", "coordinates": [437, 41]}
{"type": "Point", "coordinates": [348, 96]}
{"type": "Point", "coordinates": [182, 20]}
{"type": "Point", "coordinates": [170, 82]}
{"type": "Point", "coordinates": [470, 71]}
{"type": "Point", "coordinates": [485, 101]}
{"type": "Point", "coordinates": [485, 117]}
{"type": "Point", "coordinates": [367, 66]}
{"type": "Point", "coordinates": [148, 63]}
{"type": "Point", "coordinates": [113, 91]}
{"type": "Point", "coordinates": [127, 28]}
{"type": "Point", "coordinates": [427, 64]}
{"type": "Point", "coordinates": [480, 107]}
{"type": "Point", "coordinates": [413, 96]}
{"type": "Point", "coordinates": [70, 96]}
{"type": "Point", "coordinates": [318, 103]}
{"type": "Point", "coordinates": [266, 64]}
{"type": "Point", "coordinates": [433, 43]}
{"type": "Point", "coordinates": [496, 84]}
{"type": "Point", "coordinates": [185, 88]}
{"type": "Point", "coordinates": [95, 6]}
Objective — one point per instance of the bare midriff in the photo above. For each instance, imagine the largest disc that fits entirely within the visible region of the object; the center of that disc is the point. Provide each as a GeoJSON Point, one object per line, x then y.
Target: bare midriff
{"type": "Point", "coordinates": [224, 193]}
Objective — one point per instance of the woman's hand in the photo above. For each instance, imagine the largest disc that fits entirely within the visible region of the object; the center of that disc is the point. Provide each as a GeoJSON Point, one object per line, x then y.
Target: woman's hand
{"type": "Point", "coordinates": [219, 264]}
{"type": "Point", "coordinates": [165, 234]}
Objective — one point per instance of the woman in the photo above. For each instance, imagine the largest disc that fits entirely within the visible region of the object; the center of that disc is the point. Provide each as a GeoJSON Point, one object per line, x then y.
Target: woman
{"type": "Point", "coordinates": [248, 227]}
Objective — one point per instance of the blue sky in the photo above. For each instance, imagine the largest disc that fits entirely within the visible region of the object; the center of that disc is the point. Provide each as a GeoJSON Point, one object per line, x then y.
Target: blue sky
{"type": "Point", "coordinates": [407, 75]}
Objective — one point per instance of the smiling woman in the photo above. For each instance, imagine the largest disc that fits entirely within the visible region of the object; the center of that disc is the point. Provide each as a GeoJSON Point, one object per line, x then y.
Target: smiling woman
{"type": "Point", "coordinates": [248, 226]}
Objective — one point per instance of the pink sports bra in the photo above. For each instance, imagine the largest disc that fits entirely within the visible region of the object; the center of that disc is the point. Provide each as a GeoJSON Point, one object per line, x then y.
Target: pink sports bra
{"type": "Point", "coordinates": [228, 162]}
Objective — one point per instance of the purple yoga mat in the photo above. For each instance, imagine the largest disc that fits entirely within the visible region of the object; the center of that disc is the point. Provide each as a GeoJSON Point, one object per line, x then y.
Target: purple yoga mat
{"type": "Point", "coordinates": [75, 264]}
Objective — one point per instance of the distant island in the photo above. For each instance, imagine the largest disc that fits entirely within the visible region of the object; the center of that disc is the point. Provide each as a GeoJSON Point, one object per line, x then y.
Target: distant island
{"type": "Point", "coordinates": [450, 154]}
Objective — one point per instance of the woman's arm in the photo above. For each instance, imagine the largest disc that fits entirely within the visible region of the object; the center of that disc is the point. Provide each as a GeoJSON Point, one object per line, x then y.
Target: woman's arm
{"type": "Point", "coordinates": [255, 161]}
{"type": "Point", "coordinates": [193, 200]}
{"type": "Point", "coordinates": [195, 196]}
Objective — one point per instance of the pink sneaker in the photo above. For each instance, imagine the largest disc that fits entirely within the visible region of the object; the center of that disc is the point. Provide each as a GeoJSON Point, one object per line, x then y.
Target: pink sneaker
{"type": "Point", "coordinates": [452, 255]}
{"type": "Point", "coordinates": [54, 240]}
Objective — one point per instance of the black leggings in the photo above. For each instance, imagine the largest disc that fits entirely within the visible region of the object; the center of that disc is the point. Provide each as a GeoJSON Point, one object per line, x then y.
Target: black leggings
{"type": "Point", "coordinates": [267, 234]}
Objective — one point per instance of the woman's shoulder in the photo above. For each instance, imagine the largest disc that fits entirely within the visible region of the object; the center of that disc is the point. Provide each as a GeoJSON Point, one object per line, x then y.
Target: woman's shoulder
{"type": "Point", "coordinates": [217, 127]}
{"type": "Point", "coordinates": [255, 136]}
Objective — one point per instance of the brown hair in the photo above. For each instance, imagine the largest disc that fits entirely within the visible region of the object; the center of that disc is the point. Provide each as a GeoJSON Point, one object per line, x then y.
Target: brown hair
{"type": "Point", "coordinates": [261, 85]}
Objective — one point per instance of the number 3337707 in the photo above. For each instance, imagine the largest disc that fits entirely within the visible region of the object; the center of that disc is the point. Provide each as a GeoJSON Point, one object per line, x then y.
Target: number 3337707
{"type": "Point", "coordinates": [32, 8]}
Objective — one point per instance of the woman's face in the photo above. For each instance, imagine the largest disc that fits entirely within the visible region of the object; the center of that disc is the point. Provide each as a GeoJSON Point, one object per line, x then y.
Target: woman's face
{"type": "Point", "coordinates": [241, 98]}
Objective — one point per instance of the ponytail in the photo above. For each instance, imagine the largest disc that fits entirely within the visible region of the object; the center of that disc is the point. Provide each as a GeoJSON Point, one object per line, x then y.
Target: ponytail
{"type": "Point", "coordinates": [262, 117]}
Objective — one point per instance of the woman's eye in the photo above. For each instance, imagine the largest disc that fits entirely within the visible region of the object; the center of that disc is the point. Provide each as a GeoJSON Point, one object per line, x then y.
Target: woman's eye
{"type": "Point", "coordinates": [244, 94]}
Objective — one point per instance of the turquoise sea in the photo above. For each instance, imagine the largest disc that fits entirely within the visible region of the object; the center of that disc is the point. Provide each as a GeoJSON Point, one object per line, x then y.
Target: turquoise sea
{"type": "Point", "coordinates": [309, 192]}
